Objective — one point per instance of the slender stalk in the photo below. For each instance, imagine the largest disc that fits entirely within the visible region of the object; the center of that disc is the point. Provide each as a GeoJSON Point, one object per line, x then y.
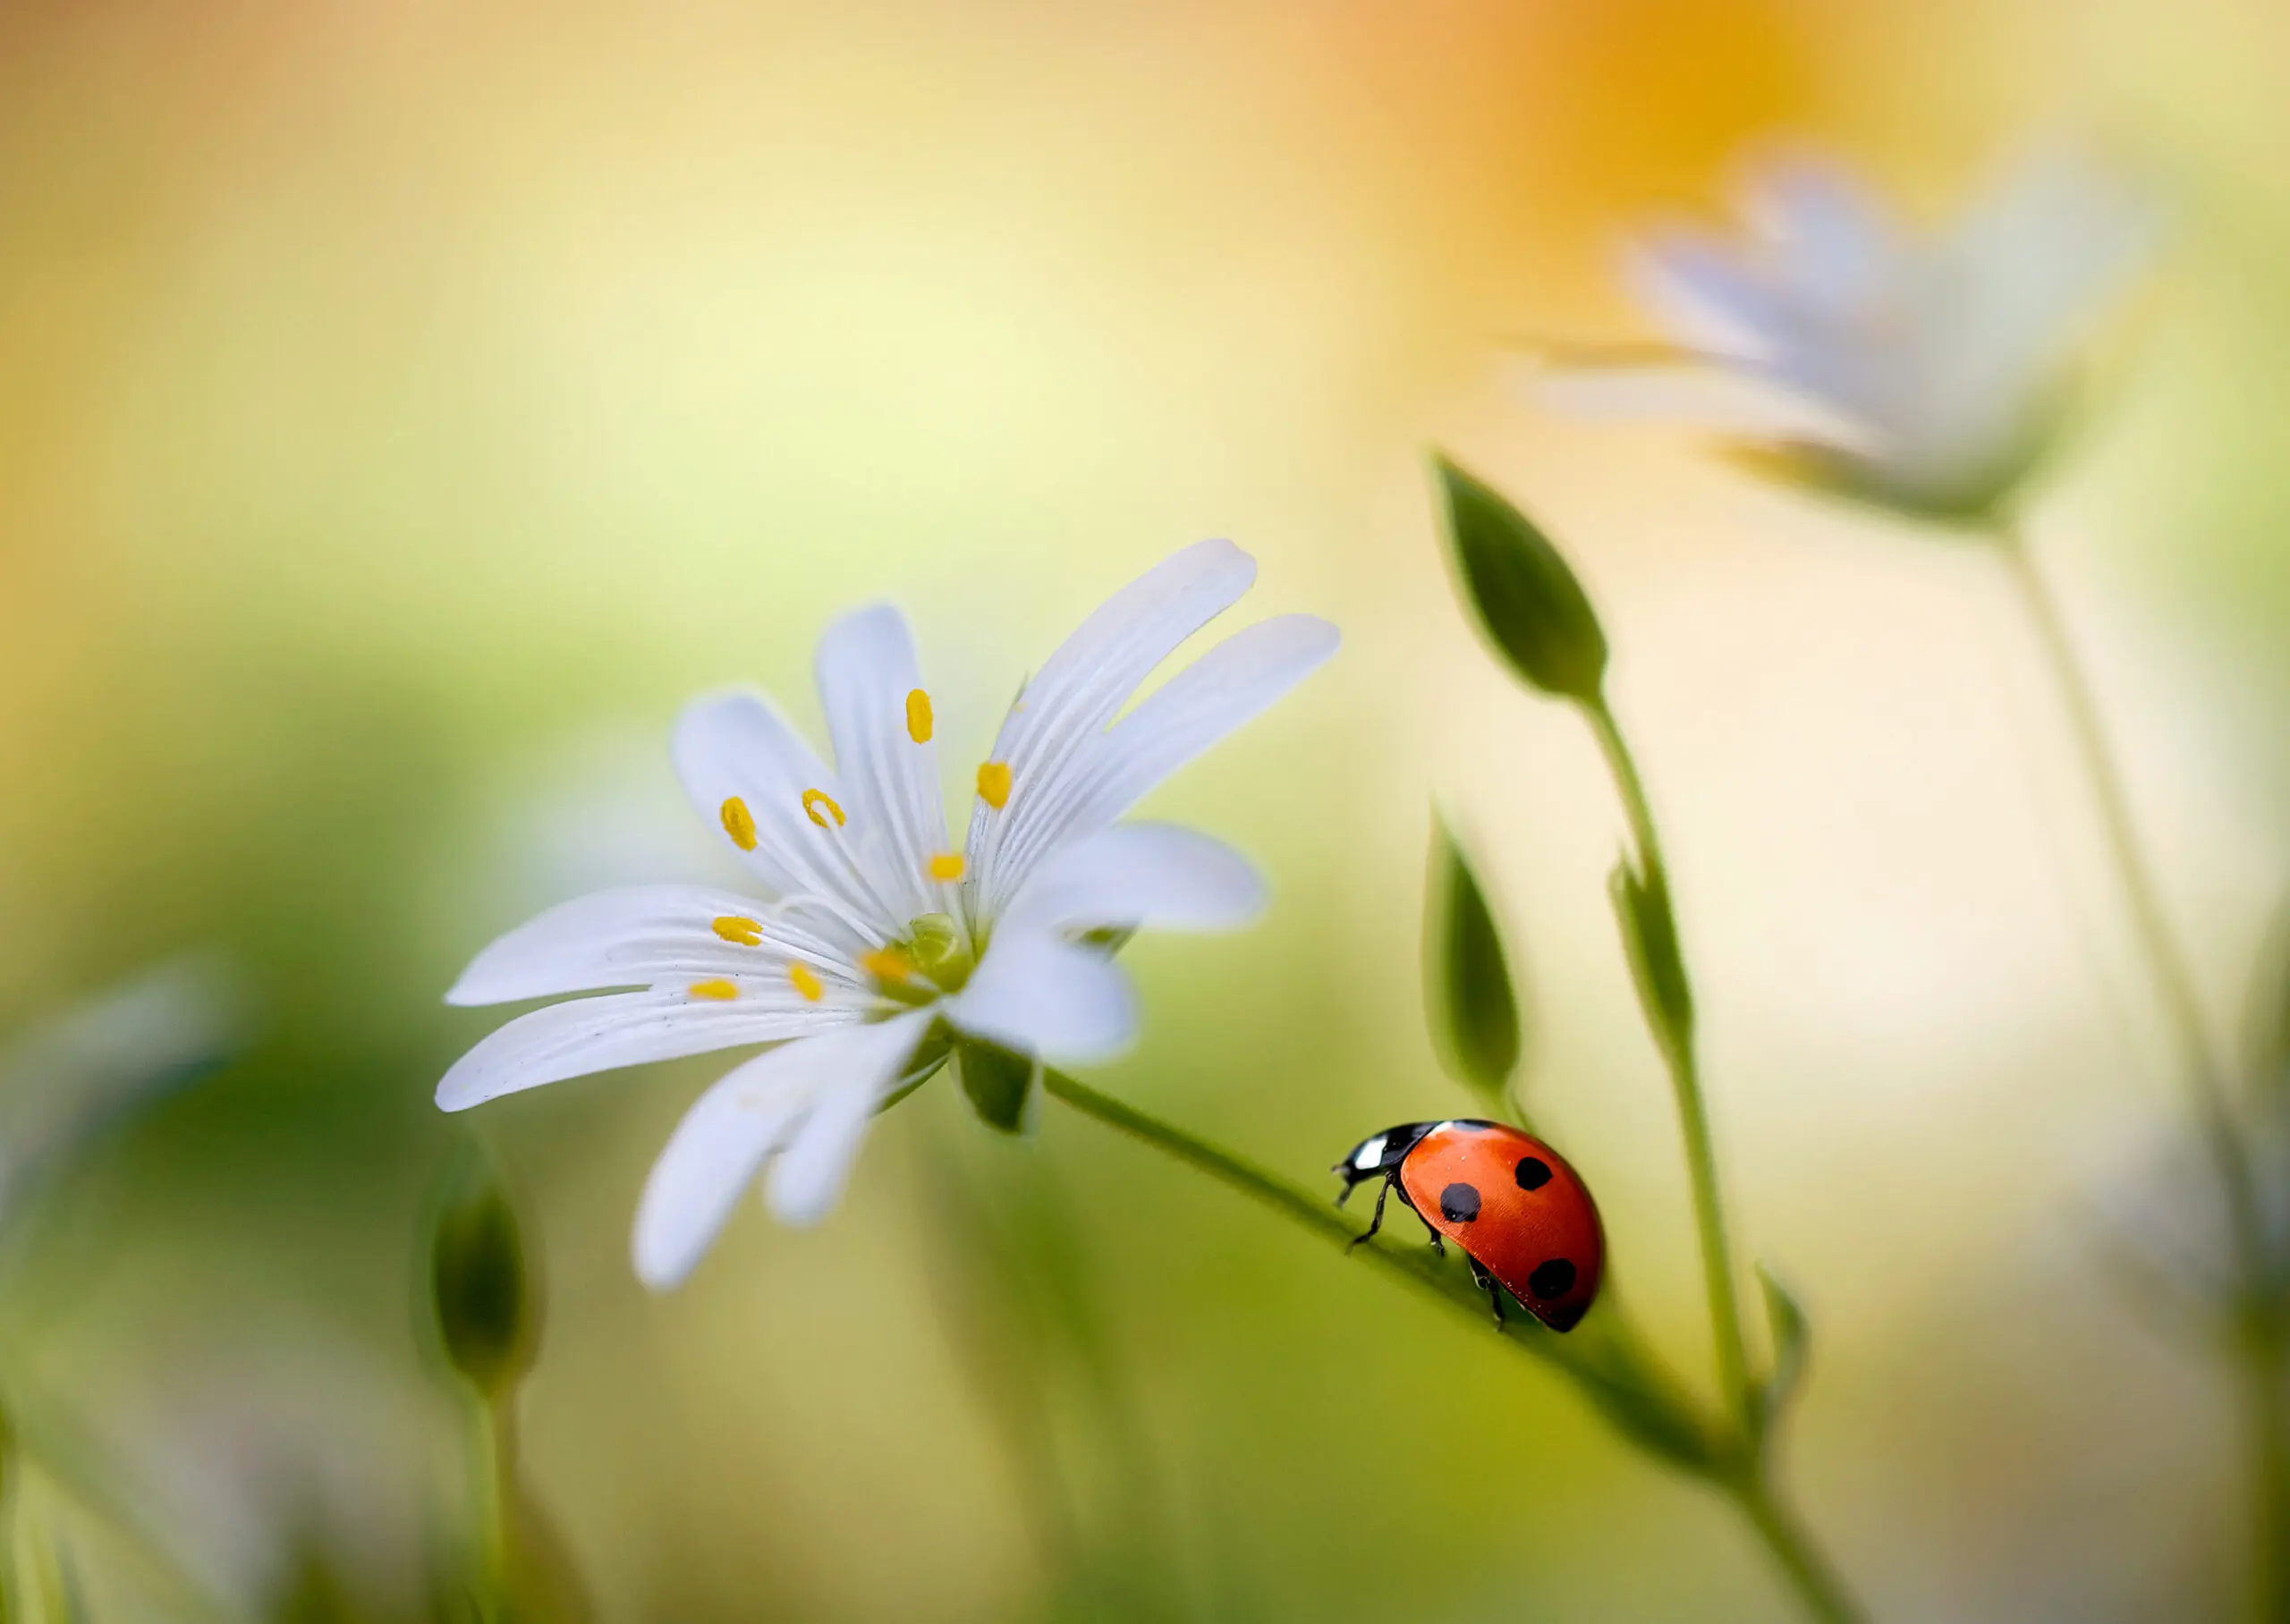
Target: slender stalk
{"type": "Point", "coordinates": [1731, 1464]}
{"type": "Point", "coordinates": [2258, 1341]}
{"type": "Point", "coordinates": [493, 1473]}
{"type": "Point", "coordinates": [1686, 1077]}
{"type": "Point", "coordinates": [1817, 1584]}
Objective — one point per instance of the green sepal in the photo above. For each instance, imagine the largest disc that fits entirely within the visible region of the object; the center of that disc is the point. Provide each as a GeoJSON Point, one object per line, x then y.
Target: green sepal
{"type": "Point", "coordinates": [1474, 1012]}
{"type": "Point", "coordinates": [1792, 1343]}
{"type": "Point", "coordinates": [485, 1300]}
{"type": "Point", "coordinates": [998, 1084]}
{"type": "Point", "coordinates": [1528, 603]}
{"type": "Point", "coordinates": [1650, 937]}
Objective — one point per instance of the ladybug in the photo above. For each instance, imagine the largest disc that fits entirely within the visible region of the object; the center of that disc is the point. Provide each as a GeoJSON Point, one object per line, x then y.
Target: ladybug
{"type": "Point", "coordinates": [1519, 1214]}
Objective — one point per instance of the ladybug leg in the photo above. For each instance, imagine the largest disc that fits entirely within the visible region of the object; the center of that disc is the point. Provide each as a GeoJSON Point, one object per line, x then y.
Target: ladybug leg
{"type": "Point", "coordinates": [1383, 1194]}
{"type": "Point", "coordinates": [1494, 1291]}
{"type": "Point", "coordinates": [1439, 1245]}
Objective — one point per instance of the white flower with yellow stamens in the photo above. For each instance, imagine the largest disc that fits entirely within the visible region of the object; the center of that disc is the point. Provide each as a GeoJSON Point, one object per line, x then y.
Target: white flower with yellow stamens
{"type": "Point", "coordinates": [879, 945]}
{"type": "Point", "coordinates": [1918, 370]}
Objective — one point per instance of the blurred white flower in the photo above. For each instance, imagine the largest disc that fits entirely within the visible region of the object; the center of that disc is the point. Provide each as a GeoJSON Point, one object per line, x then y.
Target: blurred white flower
{"type": "Point", "coordinates": [1921, 370]}
{"type": "Point", "coordinates": [876, 935]}
{"type": "Point", "coordinates": [64, 1081]}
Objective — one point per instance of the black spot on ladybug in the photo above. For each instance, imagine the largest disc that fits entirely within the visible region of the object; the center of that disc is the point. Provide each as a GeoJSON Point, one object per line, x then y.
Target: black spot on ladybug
{"type": "Point", "coordinates": [1534, 1172]}
{"type": "Point", "coordinates": [1459, 1204]}
{"type": "Point", "coordinates": [1553, 1278]}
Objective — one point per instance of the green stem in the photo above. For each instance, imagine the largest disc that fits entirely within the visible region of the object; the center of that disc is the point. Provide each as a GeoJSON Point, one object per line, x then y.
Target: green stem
{"type": "Point", "coordinates": [1726, 1461]}
{"type": "Point", "coordinates": [1817, 1584]}
{"type": "Point", "coordinates": [493, 1471]}
{"type": "Point", "coordinates": [2259, 1342]}
{"type": "Point", "coordinates": [1686, 1077]}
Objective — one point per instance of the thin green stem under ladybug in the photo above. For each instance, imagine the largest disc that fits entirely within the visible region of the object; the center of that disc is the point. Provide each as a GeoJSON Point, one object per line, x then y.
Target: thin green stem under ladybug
{"type": "Point", "coordinates": [2260, 1339]}
{"type": "Point", "coordinates": [1607, 1359]}
{"type": "Point", "coordinates": [1677, 1047]}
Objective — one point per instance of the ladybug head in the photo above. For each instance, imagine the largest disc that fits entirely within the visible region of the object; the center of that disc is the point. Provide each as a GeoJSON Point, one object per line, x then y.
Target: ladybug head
{"type": "Point", "coordinates": [1378, 1155]}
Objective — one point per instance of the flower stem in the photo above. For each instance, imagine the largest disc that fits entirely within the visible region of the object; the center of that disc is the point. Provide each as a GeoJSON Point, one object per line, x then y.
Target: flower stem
{"type": "Point", "coordinates": [1817, 1584]}
{"type": "Point", "coordinates": [1677, 1049]}
{"type": "Point", "coordinates": [1727, 1458]}
{"type": "Point", "coordinates": [2258, 1341]}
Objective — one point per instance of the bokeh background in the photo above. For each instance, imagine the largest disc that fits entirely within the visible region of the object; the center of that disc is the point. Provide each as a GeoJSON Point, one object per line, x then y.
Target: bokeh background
{"type": "Point", "coordinates": [402, 409]}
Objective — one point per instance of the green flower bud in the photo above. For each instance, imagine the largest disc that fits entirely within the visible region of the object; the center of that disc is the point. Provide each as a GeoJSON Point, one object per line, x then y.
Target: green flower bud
{"type": "Point", "coordinates": [1474, 1015]}
{"type": "Point", "coordinates": [486, 1305]}
{"type": "Point", "coordinates": [1792, 1341]}
{"type": "Point", "coordinates": [1528, 600]}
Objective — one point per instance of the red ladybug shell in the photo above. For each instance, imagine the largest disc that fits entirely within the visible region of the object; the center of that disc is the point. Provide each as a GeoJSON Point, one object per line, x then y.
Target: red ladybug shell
{"type": "Point", "coordinates": [1511, 1201]}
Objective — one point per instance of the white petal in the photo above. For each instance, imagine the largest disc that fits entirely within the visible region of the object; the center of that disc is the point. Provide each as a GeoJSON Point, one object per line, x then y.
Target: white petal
{"type": "Point", "coordinates": [1139, 876]}
{"type": "Point", "coordinates": [737, 745]}
{"type": "Point", "coordinates": [867, 670]}
{"type": "Point", "coordinates": [1730, 399]}
{"type": "Point", "coordinates": [1035, 993]}
{"type": "Point", "coordinates": [1230, 685]}
{"type": "Point", "coordinates": [1706, 293]}
{"type": "Point", "coordinates": [1086, 682]}
{"type": "Point", "coordinates": [634, 938]}
{"type": "Point", "coordinates": [733, 1129]}
{"type": "Point", "coordinates": [808, 1178]}
{"type": "Point", "coordinates": [1834, 240]}
{"type": "Point", "coordinates": [585, 1034]}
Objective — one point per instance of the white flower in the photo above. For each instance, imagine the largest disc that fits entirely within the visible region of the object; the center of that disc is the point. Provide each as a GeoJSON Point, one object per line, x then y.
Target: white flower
{"type": "Point", "coordinates": [879, 939]}
{"type": "Point", "coordinates": [1920, 370]}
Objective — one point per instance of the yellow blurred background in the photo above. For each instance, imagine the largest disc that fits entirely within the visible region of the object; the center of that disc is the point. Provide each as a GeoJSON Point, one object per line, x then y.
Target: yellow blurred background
{"type": "Point", "coordinates": [402, 409]}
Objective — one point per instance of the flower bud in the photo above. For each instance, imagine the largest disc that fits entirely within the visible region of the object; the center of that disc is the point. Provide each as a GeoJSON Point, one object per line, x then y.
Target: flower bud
{"type": "Point", "coordinates": [1474, 1014]}
{"type": "Point", "coordinates": [486, 1307]}
{"type": "Point", "coordinates": [1528, 600]}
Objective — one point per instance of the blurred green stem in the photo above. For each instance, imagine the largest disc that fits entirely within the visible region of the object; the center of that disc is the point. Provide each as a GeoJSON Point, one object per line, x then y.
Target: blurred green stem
{"type": "Point", "coordinates": [1686, 1077]}
{"type": "Point", "coordinates": [2260, 1337]}
{"type": "Point", "coordinates": [1723, 1454]}
{"type": "Point", "coordinates": [493, 1473]}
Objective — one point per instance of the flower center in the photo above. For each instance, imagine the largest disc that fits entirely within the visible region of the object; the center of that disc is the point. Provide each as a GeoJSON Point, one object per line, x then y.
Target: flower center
{"type": "Point", "coordinates": [929, 962]}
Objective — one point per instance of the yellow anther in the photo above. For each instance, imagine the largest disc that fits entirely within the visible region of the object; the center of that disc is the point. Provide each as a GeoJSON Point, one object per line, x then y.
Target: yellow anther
{"type": "Point", "coordinates": [718, 989]}
{"type": "Point", "coordinates": [994, 784]}
{"type": "Point", "coordinates": [918, 715]}
{"type": "Point", "coordinates": [747, 933]}
{"type": "Point", "coordinates": [807, 981]}
{"type": "Point", "coordinates": [738, 822]}
{"type": "Point", "coordinates": [946, 866]}
{"type": "Point", "coordinates": [888, 964]}
{"type": "Point", "coordinates": [813, 799]}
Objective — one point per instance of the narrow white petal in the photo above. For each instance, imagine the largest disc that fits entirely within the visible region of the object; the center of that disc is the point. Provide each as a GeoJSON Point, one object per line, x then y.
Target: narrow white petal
{"type": "Point", "coordinates": [585, 1034]}
{"type": "Point", "coordinates": [1706, 293]}
{"type": "Point", "coordinates": [1035, 993]}
{"type": "Point", "coordinates": [809, 1177]}
{"type": "Point", "coordinates": [1229, 686]}
{"type": "Point", "coordinates": [737, 746]}
{"type": "Point", "coordinates": [732, 1130]}
{"type": "Point", "coordinates": [1154, 876]}
{"type": "Point", "coordinates": [1835, 243]}
{"type": "Point", "coordinates": [1083, 685]}
{"type": "Point", "coordinates": [866, 674]}
{"type": "Point", "coordinates": [1726, 398]}
{"type": "Point", "coordinates": [634, 938]}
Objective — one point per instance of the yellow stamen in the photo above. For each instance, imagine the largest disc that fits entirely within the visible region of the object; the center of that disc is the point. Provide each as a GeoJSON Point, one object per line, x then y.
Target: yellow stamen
{"type": "Point", "coordinates": [718, 989]}
{"type": "Point", "coordinates": [738, 822]}
{"type": "Point", "coordinates": [888, 964]}
{"type": "Point", "coordinates": [813, 799]}
{"type": "Point", "coordinates": [747, 933]}
{"type": "Point", "coordinates": [807, 982]}
{"type": "Point", "coordinates": [918, 715]}
{"type": "Point", "coordinates": [946, 866]}
{"type": "Point", "coordinates": [994, 784]}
